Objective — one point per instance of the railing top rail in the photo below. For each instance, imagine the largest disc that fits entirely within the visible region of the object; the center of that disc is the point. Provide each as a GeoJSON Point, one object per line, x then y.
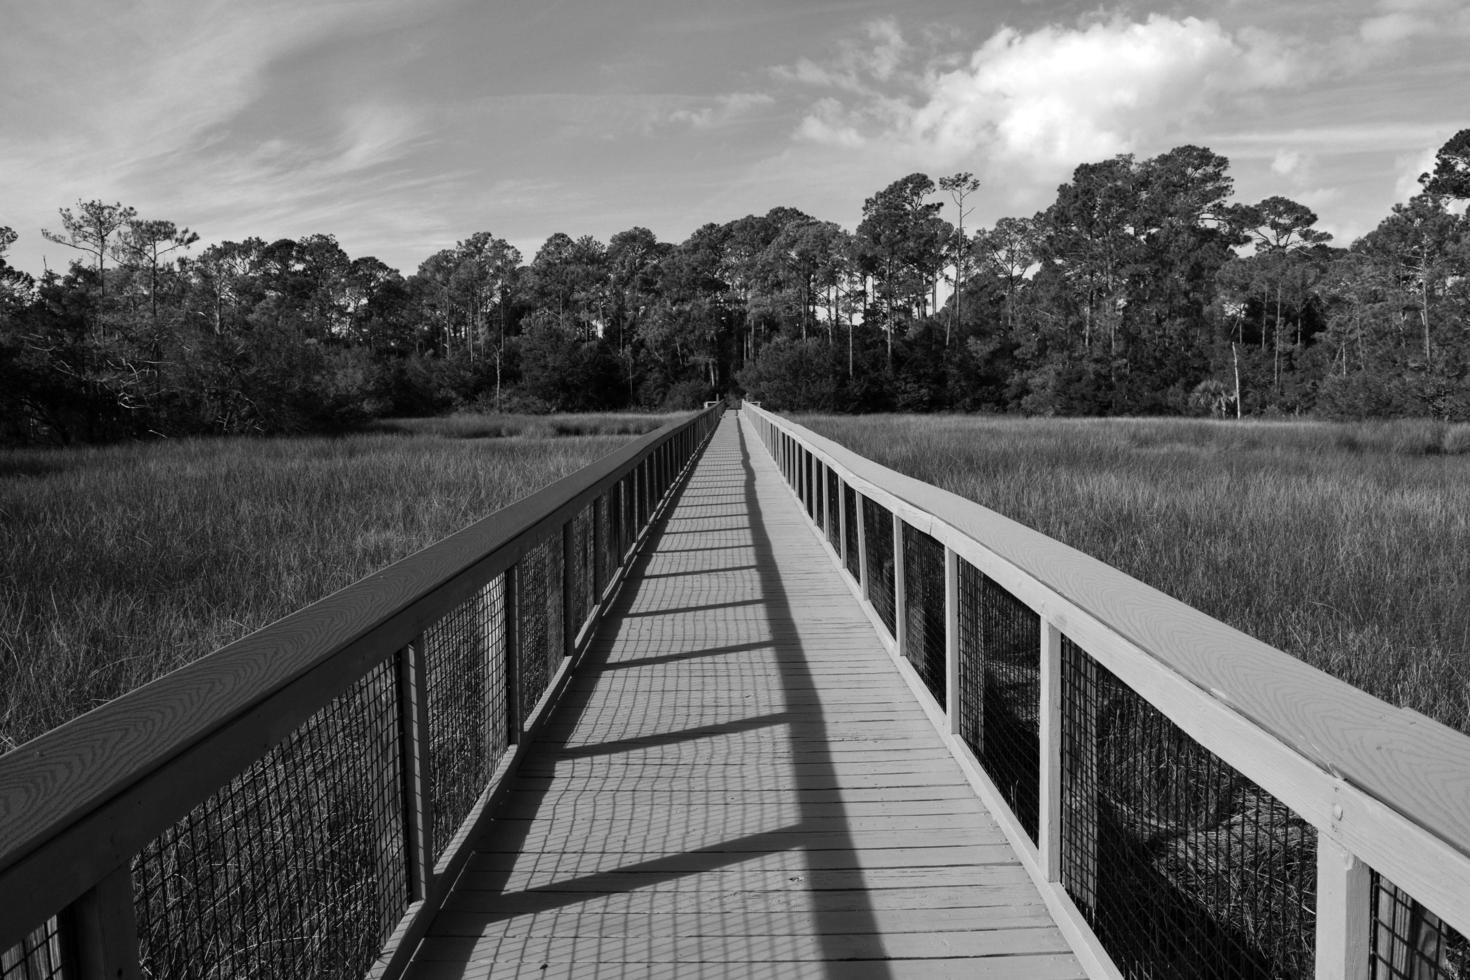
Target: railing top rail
{"type": "Point", "coordinates": [1412, 765]}
{"type": "Point", "coordinates": [83, 785]}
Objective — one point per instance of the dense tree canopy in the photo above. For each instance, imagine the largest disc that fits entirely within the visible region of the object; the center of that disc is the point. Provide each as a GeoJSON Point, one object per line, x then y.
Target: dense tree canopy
{"type": "Point", "coordinates": [1143, 288]}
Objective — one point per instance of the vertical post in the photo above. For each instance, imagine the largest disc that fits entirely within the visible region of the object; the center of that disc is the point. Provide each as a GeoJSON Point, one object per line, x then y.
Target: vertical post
{"type": "Point", "coordinates": [1344, 913]}
{"type": "Point", "coordinates": [569, 555]}
{"type": "Point", "coordinates": [952, 638]}
{"type": "Point", "coordinates": [1049, 829]}
{"type": "Point", "coordinates": [900, 602]}
{"type": "Point", "coordinates": [512, 656]}
{"type": "Point", "coordinates": [860, 512]}
{"type": "Point", "coordinates": [413, 735]}
{"type": "Point", "coordinates": [100, 931]}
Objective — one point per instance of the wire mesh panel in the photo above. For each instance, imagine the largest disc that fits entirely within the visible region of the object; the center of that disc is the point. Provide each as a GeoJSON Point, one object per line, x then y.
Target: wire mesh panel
{"type": "Point", "coordinates": [464, 665]}
{"type": "Point", "coordinates": [579, 575]}
{"type": "Point", "coordinates": [602, 544]}
{"type": "Point", "coordinates": [36, 957]}
{"type": "Point", "coordinates": [819, 509]}
{"type": "Point", "coordinates": [297, 867]}
{"type": "Point", "coordinates": [627, 522]}
{"type": "Point", "coordinates": [1000, 690]}
{"type": "Point", "coordinates": [834, 502]}
{"type": "Point", "coordinates": [849, 509]}
{"type": "Point", "coordinates": [1409, 942]}
{"type": "Point", "coordinates": [538, 620]}
{"type": "Point", "coordinates": [923, 596]}
{"type": "Point", "coordinates": [878, 538]}
{"type": "Point", "coordinates": [1182, 866]}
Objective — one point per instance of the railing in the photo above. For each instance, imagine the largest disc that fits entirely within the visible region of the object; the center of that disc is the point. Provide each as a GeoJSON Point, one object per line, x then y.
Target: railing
{"type": "Point", "coordinates": [297, 804]}
{"type": "Point", "coordinates": [1190, 801]}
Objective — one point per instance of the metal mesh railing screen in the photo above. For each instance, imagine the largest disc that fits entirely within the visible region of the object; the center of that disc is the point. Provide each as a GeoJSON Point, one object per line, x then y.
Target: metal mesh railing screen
{"type": "Point", "coordinates": [538, 620]}
{"type": "Point", "coordinates": [1411, 943]}
{"type": "Point", "coordinates": [849, 509]}
{"type": "Point", "coordinates": [579, 575]}
{"type": "Point", "coordinates": [923, 608]}
{"type": "Point", "coordinates": [808, 483]}
{"type": "Point", "coordinates": [819, 480]}
{"type": "Point", "coordinates": [36, 957]}
{"type": "Point", "coordinates": [834, 501]}
{"type": "Point", "coordinates": [295, 868]}
{"type": "Point", "coordinates": [630, 513]}
{"type": "Point", "coordinates": [602, 547]}
{"type": "Point", "coordinates": [1000, 690]}
{"type": "Point", "coordinates": [1182, 866]}
{"type": "Point", "coordinates": [464, 667]}
{"type": "Point", "coordinates": [878, 540]}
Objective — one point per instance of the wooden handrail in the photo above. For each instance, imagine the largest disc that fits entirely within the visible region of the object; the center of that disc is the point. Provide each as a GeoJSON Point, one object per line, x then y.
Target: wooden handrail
{"type": "Point", "coordinates": [80, 801]}
{"type": "Point", "coordinates": [1382, 785]}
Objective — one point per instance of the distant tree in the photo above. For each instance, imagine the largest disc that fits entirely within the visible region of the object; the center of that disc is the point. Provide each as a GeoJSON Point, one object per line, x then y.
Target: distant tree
{"type": "Point", "coordinates": [1281, 229]}
{"type": "Point", "coordinates": [959, 186]}
{"type": "Point", "coordinates": [145, 243]}
{"type": "Point", "coordinates": [1417, 244]}
{"type": "Point", "coordinates": [1008, 250]}
{"type": "Point", "coordinates": [1451, 174]}
{"type": "Point", "coordinates": [13, 283]}
{"type": "Point", "coordinates": [91, 229]}
{"type": "Point", "coordinates": [902, 245]}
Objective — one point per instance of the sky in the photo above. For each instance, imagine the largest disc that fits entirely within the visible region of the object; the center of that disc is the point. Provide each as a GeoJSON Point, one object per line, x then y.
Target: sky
{"type": "Point", "coordinates": [404, 127]}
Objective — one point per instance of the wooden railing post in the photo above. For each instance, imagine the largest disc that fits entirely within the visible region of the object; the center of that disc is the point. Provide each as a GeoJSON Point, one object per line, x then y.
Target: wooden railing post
{"type": "Point", "coordinates": [512, 656]}
{"type": "Point", "coordinates": [952, 639]}
{"type": "Point", "coordinates": [99, 931]}
{"type": "Point", "coordinates": [1343, 913]}
{"type": "Point", "coordinates": [413, 734]}
{"type": "Point", "coordinates": [859, 511]}
{"type": "Point", "coordinates": [1049, 830]}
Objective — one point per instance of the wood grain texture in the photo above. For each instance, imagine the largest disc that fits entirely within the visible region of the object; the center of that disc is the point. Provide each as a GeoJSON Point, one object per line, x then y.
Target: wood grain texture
{"type": "Point", "coordinates": [738, 784]}
{"type": "Point", "coordinates": [77, 800]}
{"type": "Point", "coordinates": [1401, 762]}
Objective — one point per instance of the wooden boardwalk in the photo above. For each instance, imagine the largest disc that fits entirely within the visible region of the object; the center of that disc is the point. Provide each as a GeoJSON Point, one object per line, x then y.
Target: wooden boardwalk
{"type": "Point", "coordinates": [739, 784]}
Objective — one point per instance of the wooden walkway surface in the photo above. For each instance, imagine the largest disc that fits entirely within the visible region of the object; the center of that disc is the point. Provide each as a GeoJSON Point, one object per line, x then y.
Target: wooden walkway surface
{"type": "Point", "coordinates": [739, 784]}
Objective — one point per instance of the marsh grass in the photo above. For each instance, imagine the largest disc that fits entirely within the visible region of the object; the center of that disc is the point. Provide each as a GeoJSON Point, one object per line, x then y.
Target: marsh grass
{"type": "Point", "coordinates": [120, 563]}
{"type": "Point", "coordinates": [1343, 545]}
{"type": "Point", "coordinates": [472, 426]}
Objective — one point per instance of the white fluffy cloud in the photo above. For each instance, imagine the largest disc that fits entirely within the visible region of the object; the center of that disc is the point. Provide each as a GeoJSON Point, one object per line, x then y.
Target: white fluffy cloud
{"type": "Point", "coordinates": [1052, 98]}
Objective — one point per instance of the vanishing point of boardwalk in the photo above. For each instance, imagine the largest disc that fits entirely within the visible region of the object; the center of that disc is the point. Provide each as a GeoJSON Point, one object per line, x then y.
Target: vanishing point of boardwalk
{"type": "Point", "coordinates": [738, 784]}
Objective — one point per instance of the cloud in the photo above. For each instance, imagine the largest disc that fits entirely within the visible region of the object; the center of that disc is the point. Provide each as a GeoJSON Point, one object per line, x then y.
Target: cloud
{"type": "Point", "coordinates": [876, 55]}
{"type": "Point", "coordinates": [1395, 21]}
{"type": "Point", "coordinates": [1294, 165]}
{"type": "Point", "coordinates": [722, 110]}
{"type": "Point", "coordinates": [1048, 99]}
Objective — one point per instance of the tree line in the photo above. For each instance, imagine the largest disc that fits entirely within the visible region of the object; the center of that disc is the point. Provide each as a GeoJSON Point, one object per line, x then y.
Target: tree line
{"type": "Point", "coordinates": [1144, 288]}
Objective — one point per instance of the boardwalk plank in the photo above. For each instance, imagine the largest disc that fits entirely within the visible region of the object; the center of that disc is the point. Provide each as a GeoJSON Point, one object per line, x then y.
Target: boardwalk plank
{"type": "Point", "coordinates": [738, 784]}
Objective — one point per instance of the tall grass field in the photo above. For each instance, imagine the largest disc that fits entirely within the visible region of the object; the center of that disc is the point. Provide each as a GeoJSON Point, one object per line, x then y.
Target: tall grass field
{"type": "Point", "coordinates": [1347, 546]}
{"type": "Point", "coordinates": [120, 563]}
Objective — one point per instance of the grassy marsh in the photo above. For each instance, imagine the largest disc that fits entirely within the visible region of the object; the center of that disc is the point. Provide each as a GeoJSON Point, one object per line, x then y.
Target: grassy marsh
{"type": "Point", "coordinates": [120, 563]}
{"type": "Point", "coordinates": [1342, 544]}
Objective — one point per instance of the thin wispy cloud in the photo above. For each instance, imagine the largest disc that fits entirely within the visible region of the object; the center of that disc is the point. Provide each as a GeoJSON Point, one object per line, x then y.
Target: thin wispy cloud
{"type": "Point", "coordinates": [405, 127]}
